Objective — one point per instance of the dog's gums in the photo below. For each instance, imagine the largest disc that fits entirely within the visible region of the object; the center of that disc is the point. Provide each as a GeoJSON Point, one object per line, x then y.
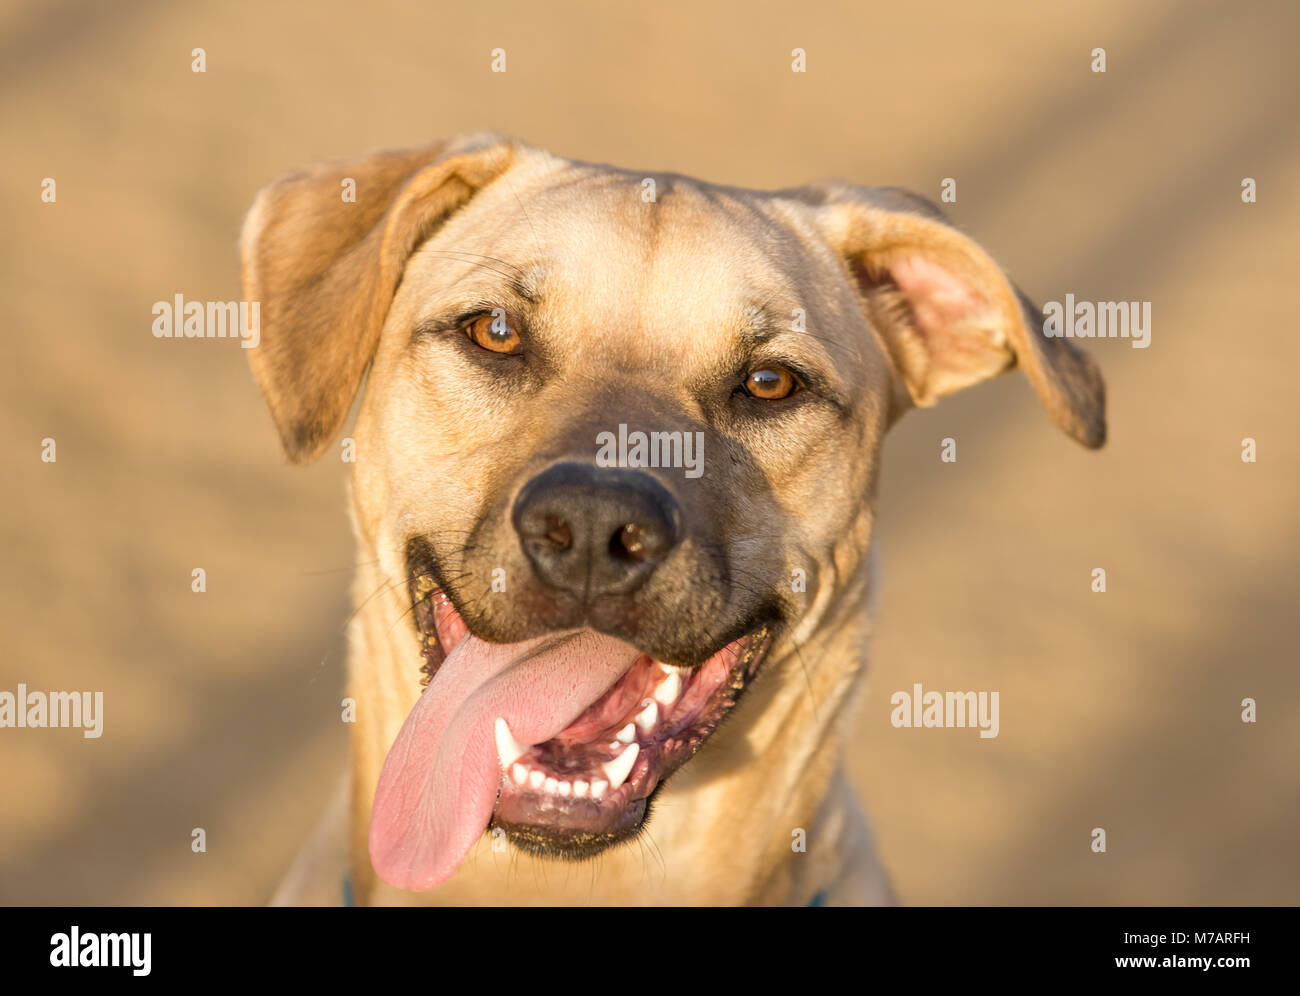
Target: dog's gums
{"type": "Point", "coordinates": [590, 785]}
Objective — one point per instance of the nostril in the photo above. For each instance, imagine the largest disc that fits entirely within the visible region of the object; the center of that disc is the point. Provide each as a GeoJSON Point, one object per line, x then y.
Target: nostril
{"type": "Point", "coordinates": [594, 532]}
{"type": "Point", "coordinates": [628, 543]}
{"type": "Point", "coordinates": [558, 533]}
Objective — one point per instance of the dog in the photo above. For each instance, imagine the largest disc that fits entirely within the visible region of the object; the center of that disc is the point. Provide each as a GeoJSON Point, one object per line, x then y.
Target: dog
{"type": "Point", "coordinates": [614, 487]}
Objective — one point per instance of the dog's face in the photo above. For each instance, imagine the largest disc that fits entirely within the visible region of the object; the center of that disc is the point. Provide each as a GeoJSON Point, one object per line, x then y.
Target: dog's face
{"type": "Point", "coordinates": [618, 445]}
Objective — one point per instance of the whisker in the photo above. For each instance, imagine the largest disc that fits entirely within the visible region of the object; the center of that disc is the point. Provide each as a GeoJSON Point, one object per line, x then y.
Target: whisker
{"type": "Point", "coordinates": [335, 570]}
{"type": "Point", "coordinates": [460, 256]}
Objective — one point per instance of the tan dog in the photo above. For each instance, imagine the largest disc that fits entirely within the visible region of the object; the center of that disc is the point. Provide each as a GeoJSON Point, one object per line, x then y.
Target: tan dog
{"type": "Point", "coordinates": [614, 491]}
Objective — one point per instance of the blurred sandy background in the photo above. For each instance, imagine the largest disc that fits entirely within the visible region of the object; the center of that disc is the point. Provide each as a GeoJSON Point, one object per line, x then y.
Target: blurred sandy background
{"type": "Point", "coordinates": [1118, 710]}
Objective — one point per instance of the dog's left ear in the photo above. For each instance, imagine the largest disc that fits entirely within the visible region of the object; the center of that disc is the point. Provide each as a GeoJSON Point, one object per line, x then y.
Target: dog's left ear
{"type": "Point", "coordinates": [324, 270]}
{"type": "Point", "coordinates": [946, 313]}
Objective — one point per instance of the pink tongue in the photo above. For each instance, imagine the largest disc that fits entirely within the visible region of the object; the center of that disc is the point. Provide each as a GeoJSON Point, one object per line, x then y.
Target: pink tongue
{"type": "Point", "coordinates": [439, 784]}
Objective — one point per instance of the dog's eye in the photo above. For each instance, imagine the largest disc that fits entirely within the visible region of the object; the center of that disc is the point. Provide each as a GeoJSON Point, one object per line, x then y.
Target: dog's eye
{"type": "Point", "coordinates": [495, 333]}
{"type": "Point", "coordinates": [771, 383]}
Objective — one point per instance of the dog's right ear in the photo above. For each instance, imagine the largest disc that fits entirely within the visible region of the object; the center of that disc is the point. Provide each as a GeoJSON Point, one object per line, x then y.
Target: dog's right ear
{"type": "Point", "coordinates": [945, 312]}
{"type": "Point", "coordinates": [324, 271]}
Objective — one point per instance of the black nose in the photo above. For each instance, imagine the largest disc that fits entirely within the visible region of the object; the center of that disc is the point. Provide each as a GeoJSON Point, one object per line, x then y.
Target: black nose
{"type": "Point", "coordinates": [593, 531]}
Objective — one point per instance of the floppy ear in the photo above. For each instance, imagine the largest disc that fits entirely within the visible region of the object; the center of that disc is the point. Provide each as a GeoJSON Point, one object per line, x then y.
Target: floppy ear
{"type": "Point", "coordinates": [946, 313]}
{"type": "Point", "coordinates": [325, 270]}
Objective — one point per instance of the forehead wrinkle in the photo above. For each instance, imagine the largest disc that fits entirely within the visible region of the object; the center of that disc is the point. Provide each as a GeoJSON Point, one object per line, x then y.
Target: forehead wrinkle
{"type": "Point", "coordinates": [764, 327]}
{"type": "Point", "coordinates": [639, 280]}
{"type": "Point", "coordinates": [601, 240]}
{"type": "Point", "coordinates": [528, 280]}
{"type": "Point", "coordinates": [760, 325]}
{"type": "Point", "coordinates": [761, 328]}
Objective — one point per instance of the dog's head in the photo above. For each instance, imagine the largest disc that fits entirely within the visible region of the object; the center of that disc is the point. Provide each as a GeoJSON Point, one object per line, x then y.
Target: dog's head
{"type": "Point", "coordinates": [618, 443]}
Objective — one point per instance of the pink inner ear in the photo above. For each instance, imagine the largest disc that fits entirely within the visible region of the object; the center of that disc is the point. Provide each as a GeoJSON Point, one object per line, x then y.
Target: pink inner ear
{"type": "Point", "coordinates": [949, 336]}
{"type": "Point", "coordinates": [939, 299]}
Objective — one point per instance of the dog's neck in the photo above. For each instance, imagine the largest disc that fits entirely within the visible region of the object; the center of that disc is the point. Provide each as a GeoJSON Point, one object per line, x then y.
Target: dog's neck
{"type": "Point", "coordinates": [762, 814]}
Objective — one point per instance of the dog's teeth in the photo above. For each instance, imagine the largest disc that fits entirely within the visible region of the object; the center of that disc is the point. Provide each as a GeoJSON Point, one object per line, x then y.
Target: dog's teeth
{"type": "Point", "coordinates": [668, 690]}
{"type": "Point", "coordinates": [552, 785]}
{"type": "Point", "coordinates": [565, 789]}
{"type": "Point", "coordinates": [619, 768]}
{"type": "Point", "coordinates": [519, 773]}
{"type": "Point", "coordinates": [649, 716]}
{"type": "Point", "coordinates": [598, 786]}
{"type": "Point", "coordinates": [580, 789]}
{"type": "Point", "coordinates": [627, 734]}
{"type": "Point", "coordinates": [535, 779]}
{"type": "Point", "coordinates": [509, 750]}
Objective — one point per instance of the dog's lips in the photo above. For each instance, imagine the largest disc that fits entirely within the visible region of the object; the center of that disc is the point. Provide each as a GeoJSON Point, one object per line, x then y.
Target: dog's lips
{"type": "Point", "coordinates": [588, 786]}
{"type": "Point", "coordinates": [586, 726]}
{"type": "Point", "coordinates": [440, 625]}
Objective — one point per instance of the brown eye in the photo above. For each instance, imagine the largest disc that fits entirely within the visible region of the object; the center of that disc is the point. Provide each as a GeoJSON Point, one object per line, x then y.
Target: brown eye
{"type": "Point", "coordinates": [771, 383]}
{"type": "Point", "coordinates": [495, 333]}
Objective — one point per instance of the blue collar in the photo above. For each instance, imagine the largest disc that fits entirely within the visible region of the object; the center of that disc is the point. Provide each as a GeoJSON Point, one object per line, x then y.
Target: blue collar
{"type": "Point", "coordinates": [818, 899]}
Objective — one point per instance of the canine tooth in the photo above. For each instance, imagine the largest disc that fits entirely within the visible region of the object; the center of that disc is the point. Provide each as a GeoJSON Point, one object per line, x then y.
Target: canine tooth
{"type": "Point", "coordinates": [535, 779]}
{"type": "Point", "coordinates": [552, 785]}
{"type": "Point", "coordinates": [565, 789]}
{"type": "Point", "coordinates": [580, 789]}
{"type": "Point", "coordinates": [519, 773]}
{"type": "Point", "coordinates": [619, 768]}
{"type": "Point", "coordinates": [598, 786]}
{"type": "Point", "coordinates": [509, 750]}
{"type": "Point", "coordinates": [649, 716]}
{"type": "Point", "coordinates": [627, 734]}
{"type": "Point", "coordinates": [668, 690]}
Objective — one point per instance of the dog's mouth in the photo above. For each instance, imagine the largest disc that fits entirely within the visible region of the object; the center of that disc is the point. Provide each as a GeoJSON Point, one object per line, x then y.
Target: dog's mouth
{"type": "Point", "coordinates": [557, 742]}
{"type": "Point", "coordinates": [590, 785]}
